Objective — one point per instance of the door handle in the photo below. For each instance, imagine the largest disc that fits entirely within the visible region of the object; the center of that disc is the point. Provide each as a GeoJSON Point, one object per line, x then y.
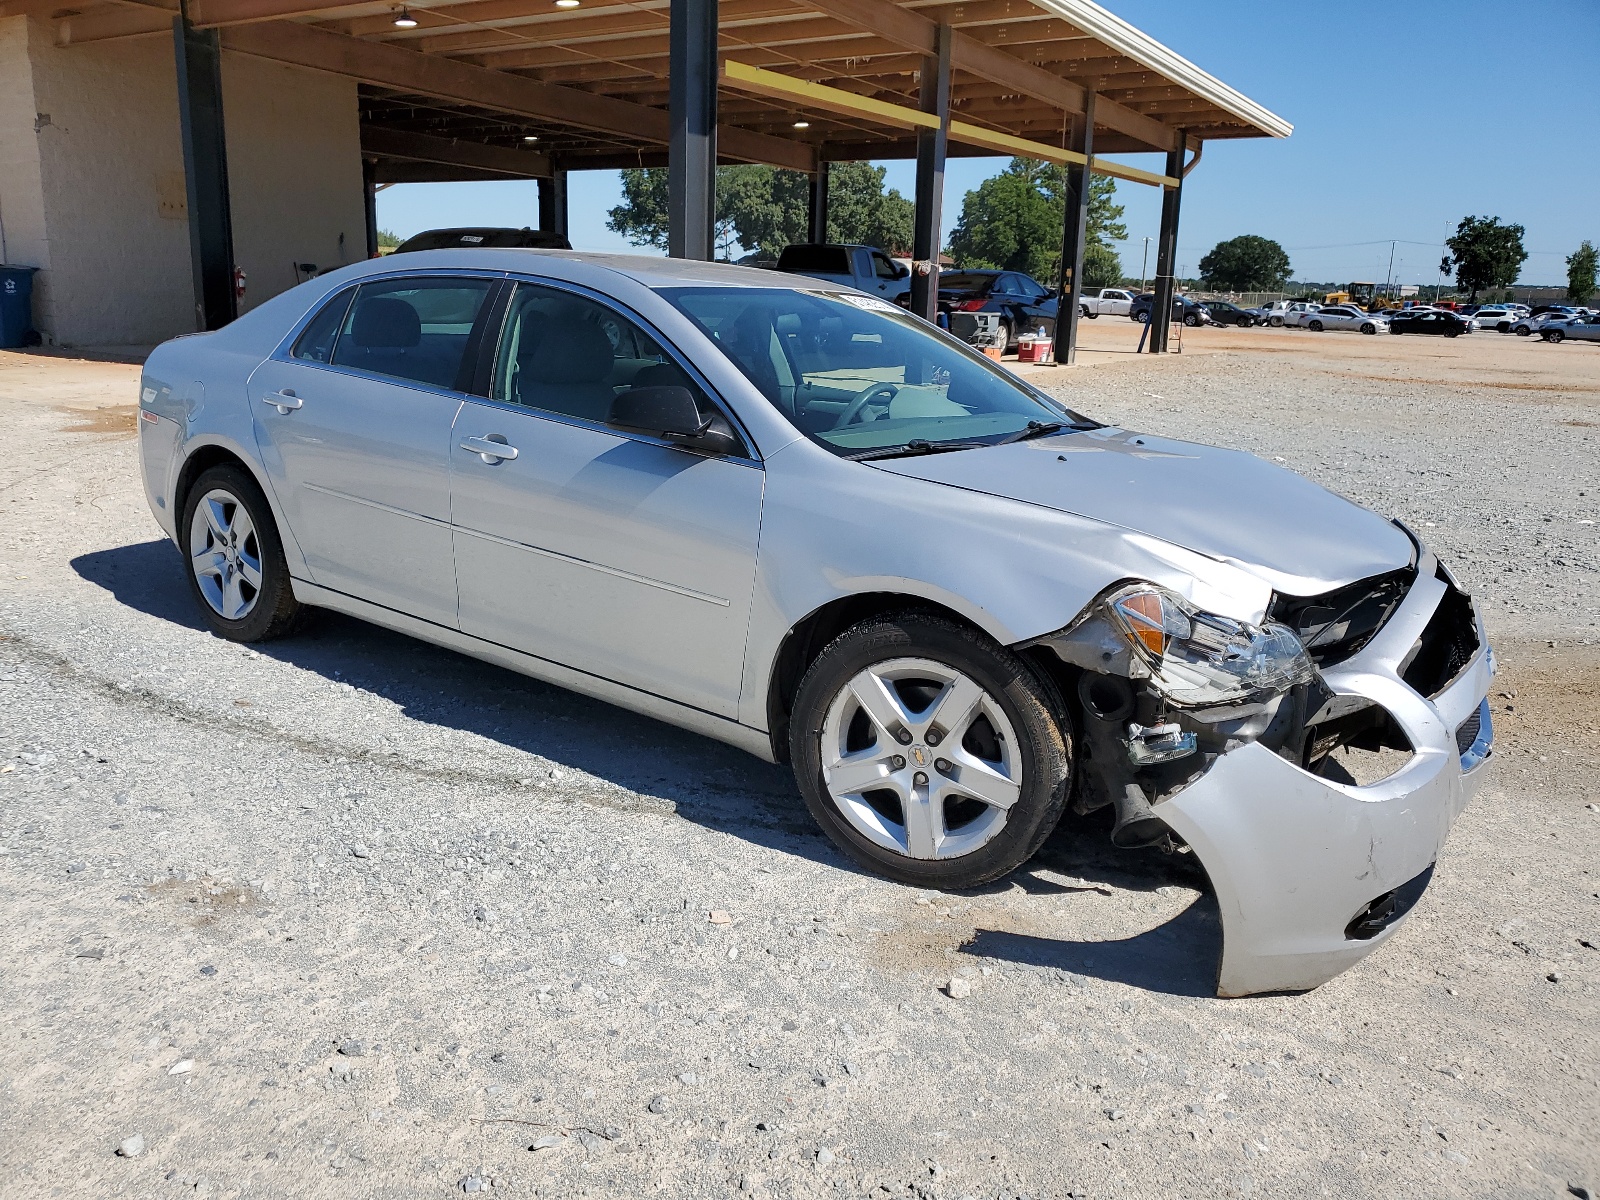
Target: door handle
{"type": "Point", "coordinates": [283, 401]}
{"type": "Point", "coordinates": [491, 449]}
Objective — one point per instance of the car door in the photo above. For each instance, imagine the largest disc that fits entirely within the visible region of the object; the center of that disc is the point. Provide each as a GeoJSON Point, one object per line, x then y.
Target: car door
{"type": "Point", "coordinates": [353, 424]}
{"type": "Point", "coordinates": [1038, 304]}
{"type": "Point", "coordinates": [614, 553]}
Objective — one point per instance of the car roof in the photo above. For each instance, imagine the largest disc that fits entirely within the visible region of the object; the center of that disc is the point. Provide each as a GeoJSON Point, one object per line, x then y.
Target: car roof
{"type": "Point", "coordinates": [577, 266]}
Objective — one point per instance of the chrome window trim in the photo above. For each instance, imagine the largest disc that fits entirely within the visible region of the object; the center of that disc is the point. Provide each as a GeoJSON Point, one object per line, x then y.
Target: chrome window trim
{"type": "Point", "coordinates": [683, 362]}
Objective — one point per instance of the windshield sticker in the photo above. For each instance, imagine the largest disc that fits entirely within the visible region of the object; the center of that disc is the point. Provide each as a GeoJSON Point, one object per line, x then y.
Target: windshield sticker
{"type": "Point", "coordinates": [870, 303]}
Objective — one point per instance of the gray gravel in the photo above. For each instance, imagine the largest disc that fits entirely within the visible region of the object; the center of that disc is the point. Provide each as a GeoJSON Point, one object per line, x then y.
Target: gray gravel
{"type": "Point", "coordinates": [421, 927]}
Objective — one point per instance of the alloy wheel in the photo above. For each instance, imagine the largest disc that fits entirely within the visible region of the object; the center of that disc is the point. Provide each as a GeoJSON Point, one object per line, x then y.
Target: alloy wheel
{"type": "Point", "coordinates": [225, 554]}
{"type": "Point", "coordinates": [920, 759]}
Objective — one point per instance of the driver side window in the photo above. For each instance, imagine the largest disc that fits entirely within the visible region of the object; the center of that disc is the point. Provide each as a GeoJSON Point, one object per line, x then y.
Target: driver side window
{"type": "Point", "coordinates": [564, 353]}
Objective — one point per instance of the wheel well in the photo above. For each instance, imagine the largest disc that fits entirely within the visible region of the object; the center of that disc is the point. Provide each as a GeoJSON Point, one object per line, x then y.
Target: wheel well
{"type": "Point", "coordinates": [201, 460]}
{"type": "Point", "coordinates": [803, 643]}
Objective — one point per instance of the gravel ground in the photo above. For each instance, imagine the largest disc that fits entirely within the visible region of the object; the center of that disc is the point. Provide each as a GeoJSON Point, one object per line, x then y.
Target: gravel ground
{"type": "Point", "coordinates": [348, 915]}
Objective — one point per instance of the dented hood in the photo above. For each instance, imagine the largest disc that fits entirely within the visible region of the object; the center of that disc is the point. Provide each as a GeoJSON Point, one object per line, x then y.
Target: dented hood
{"type": "Point", "coordinates": [1298, 537]}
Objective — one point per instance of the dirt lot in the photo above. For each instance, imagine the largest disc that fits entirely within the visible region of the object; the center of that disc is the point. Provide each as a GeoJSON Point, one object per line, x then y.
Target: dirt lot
{"type": "Point", "coordinates": [349, 916]}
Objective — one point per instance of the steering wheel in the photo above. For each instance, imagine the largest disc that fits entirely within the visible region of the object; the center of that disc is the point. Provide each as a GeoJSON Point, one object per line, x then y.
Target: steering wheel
{"type": "Point", "coordinates": [863, 398]}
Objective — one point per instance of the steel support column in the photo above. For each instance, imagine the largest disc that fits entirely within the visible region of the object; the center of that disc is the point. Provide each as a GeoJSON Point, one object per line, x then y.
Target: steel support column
{"type": "Point", "coordinates": [553, 211]}
{"type": "Point", "coordinates": [1167, 250]}
{"type": "Point", "coordinates": [692, 152]}
{"type": "Point", "coordinates": [817, 224]}
{"type": "Point", "coordinates": [369, 202]}
{"type": "Point", "coordinates": [1074, 235]}
{"type": "Point", "coordinates": [205, 170]}
{"type": "Point", "coordinates": [931, 147]}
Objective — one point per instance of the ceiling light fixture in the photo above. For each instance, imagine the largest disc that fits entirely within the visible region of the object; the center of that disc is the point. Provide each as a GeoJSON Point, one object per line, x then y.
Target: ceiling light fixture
{"type": "Point", "coordinates": [404, 20]}
{"type": "Point", "coordinates": [802, 124]}
{"type": "Point", "coordinates": [530, 137]}
{"type": "Point", "coordinates": [568, 3]}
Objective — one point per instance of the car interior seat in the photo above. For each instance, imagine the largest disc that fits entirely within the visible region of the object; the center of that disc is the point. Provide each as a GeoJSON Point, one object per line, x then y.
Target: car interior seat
{"type": "Point", "coordinates": [566, 370]}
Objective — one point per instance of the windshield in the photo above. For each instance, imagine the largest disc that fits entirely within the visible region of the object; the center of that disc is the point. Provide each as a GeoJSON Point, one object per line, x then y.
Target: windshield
{"type": "Point", "coordinates": [855, 373]}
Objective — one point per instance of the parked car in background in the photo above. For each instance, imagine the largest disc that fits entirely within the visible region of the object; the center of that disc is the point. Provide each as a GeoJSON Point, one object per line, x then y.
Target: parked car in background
{"type": "Point", "coordinates": [1190, 312]}
{"type": "Point", "coordinates": [1021, 301]}
{"type": "Point", "coordinates": [800, 521]}
{"type": "Point", "coordinates": [1524, 326]}
{"type": "Point", "coordinates": [1344, 316]}
{"type": "Point", "coordinates": [1299, 313]}
{"type": "Point", "coordinates": [865, 268]}
{"type": "Point", "coordinates": [1224, 313]}
{"type": "Point", "coordinates": [1494, 317]}
{"type": "Point", "coordinates": [484, 238]}
{"type": "Point", "coordinates": [1564, 310]}
{"type": "Point", "coordinates": [1106, 302]}
{"type": "Point", "coordinates": [1440, 322]}
{"type": "Point", "coordinates": [1585, 329]}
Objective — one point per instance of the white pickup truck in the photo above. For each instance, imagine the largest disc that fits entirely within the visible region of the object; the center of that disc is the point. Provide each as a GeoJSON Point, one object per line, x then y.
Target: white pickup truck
{"type": "Point", "coordinates": [1110, 302]}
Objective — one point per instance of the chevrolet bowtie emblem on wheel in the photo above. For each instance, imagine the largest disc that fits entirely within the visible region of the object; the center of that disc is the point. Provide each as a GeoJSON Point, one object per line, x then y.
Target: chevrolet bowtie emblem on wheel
{"type": "Point", "coordinates": [919, 756]}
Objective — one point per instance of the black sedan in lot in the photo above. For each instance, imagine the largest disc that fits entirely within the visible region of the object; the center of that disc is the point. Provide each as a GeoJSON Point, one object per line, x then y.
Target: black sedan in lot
{"type": "Point", "coordinates": [1223, 313]}
{"type": "Point", "coordinates": [1190, 312]}
{"type": "Point", "coordinates": [1441, 322]}
{"type": "Point", "coordinates": [1024, 304]}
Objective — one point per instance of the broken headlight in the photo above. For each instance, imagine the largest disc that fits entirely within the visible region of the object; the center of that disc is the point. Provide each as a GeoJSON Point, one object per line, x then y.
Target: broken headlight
{"type": "Point", "coordinates": [1198, 658]}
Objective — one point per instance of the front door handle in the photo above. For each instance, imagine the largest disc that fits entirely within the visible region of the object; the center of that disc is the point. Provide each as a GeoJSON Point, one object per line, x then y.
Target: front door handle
{"type": "Point", "coordinates": [491, 449]}
{"type": "Point", "coordinates": [282, 401]}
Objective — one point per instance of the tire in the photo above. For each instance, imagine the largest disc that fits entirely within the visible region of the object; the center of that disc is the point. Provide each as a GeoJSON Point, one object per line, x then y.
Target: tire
{"type": "Point", "coordinates": [1007, 338]}
{"type": "Point", "coordinates": [1091, 315]}
{"type": "Point", "coordinates": [1522, 331]}
{"type": "Point", "coordinates": [1450, 333]}
{"type": "Point", "coordinates": [1369, 327]}
{"type": "Point", "coordinates": [1191, 321]}
{"type": "Point", "coordinates": [1013, 727]}
{"type": "Point", "coordinates": [1314, 326]}
{"type": "Point", "coordinates": [1142, 317]}
{"type": "Point", "coordinates": [1276, 322]}
{"type": "Point", "coordinates": [1396, 331]}
{"type": "Point", "coordinates": [214, 536]}
{"type": "Point", "coordinates": [1553, 335]}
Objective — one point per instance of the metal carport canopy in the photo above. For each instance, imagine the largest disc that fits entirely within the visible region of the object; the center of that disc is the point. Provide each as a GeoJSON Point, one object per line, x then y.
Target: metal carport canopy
{"type": "Point", "coordinates": [590, 83]}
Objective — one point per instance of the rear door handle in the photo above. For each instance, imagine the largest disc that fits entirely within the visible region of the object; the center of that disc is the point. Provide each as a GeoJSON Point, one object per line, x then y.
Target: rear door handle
{"type": "Point", "coordinates": [491, 449]}
{"type": "Point", "coordinates": [283, 401]}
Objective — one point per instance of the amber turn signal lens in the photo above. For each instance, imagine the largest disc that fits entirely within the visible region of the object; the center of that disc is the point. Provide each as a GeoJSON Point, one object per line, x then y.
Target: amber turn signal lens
{"type": "Point", "coordinates": [1145, 622]}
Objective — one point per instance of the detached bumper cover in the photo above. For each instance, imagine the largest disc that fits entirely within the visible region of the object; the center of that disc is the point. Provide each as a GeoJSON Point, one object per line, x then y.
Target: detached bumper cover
{"type": "Point", "coordinates": [1302, 866]}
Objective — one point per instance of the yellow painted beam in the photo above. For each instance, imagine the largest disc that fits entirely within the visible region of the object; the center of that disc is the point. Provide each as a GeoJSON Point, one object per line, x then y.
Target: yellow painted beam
{"type": "Point", "coordinates": [806, 94]}
{"type": "Point", "coordinates": [991, 139]}
{"type": "Point", "coordinates": [1132, 174]}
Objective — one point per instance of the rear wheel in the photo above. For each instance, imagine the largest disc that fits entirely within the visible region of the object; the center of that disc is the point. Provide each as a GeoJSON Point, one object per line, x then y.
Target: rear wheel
{"type": "Point", "coordinates": [1008, 340]}
{"type": "Point", "coordinates": [1452, 333]}
{"type": "Point", "coordinates": [1191, 320]}
{"type": "Point", "coordinates": [928, 753]}
{"type": "Point", "coordinates": [1396, 330]}
{"type": "Point", "coordinates": [1276, 322]}
{"type": "Point", "coordinates": [236, 568]}
{"type": "Point", "coordinates": [1369, 327]}
{"type": "Point", "coordinates": [1553, 335]}
{"type": "Point", "coordinates": [1315, 326]}
{"type": "Point", "coordinates": [1523, 331]}
{"type": "Point", "coordinates": [1090, 315]}
{"type": "Point", "coordinates": [1143, 317]}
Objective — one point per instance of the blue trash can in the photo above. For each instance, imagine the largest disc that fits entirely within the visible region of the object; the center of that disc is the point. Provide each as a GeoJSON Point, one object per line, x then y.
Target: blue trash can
{"type": "Point", "coordinates": [16, 306]}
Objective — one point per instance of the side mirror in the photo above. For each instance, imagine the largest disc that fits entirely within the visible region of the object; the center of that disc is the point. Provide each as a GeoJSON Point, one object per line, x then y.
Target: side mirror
{"type": "Point", "coordinates": [904, 271]}
{"type": "Point", "coordinates": [670, 412]}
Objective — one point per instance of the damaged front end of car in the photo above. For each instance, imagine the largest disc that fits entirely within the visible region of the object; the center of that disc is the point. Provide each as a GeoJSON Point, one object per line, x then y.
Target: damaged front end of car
{"type": "Point", "coordinates": [1313, 759]}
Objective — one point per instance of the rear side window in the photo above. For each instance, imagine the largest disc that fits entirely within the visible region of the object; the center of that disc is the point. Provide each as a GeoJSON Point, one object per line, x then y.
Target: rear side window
{"type": "Point", "coordinates": [413, 329]}
{"type": "Point", "coordinates": [315, 343]}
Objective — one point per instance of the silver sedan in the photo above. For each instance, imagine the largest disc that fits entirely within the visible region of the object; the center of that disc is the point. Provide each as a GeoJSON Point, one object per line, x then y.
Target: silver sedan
{"type": "Point", "coordinates": [1346, 316]}
{"type": "Point", "coordinates": [795, 518]}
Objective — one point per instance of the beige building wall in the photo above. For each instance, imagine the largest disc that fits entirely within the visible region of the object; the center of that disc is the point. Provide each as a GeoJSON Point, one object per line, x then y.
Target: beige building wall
{"type": "Point", "coordinates": [92, 185]}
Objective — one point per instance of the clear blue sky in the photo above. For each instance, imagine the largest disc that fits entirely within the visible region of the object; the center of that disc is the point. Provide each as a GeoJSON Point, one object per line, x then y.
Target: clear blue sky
{"type": "Point", "coordinates": [1408, 116]}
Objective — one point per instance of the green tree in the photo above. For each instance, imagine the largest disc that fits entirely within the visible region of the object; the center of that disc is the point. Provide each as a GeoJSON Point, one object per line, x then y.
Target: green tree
{"type": "Point", "coordinates": [1581, 267]}
{"type": "Point", "coordinates": [1486, 254]}
{"type": "Point", "coordinates": [1014, 221]}
{"type": "Point", "coordinates": [387, 240]}
{"type": "Point", "coordinates": [1247, 263]}
{"type": "Point", "coordinates": [763, 210]}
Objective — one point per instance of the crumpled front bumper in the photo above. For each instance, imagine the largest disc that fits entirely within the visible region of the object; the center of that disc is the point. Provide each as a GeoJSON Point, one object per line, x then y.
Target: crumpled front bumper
{"type": "Point", "coordinates": [1294, 858]}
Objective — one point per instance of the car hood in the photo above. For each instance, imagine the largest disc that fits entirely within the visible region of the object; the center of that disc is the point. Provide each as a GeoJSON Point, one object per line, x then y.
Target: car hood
{"type": "Point", "coordinates": [1298, 537]}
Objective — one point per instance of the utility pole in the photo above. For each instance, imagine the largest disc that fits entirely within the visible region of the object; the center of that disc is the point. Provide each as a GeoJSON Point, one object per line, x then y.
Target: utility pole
{"type": "Point", "coordinates": [1388, 281]}
{"type": "Point", "coordinates": [1144, 266]}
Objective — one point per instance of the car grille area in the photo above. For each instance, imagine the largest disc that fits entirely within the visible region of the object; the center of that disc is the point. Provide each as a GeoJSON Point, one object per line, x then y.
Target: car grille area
{"type": "Point", "coordinates": [1337, 624]}
{"type": "Point", "coordinates": [1467, 731]}
{"type": "Point", "coordinates": [1446, 646]}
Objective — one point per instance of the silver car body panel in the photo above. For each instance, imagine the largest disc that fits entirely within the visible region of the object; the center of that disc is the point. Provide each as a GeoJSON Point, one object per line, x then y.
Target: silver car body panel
{"type": "Point", "coordinates": [666, 582]}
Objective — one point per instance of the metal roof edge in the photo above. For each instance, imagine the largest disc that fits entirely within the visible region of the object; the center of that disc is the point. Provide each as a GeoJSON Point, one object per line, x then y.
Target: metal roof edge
{"type": "Point", "coordinates": [1142, 48]}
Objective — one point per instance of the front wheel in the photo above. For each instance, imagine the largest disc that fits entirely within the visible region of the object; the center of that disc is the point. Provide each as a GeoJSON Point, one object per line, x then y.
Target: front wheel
{"type": "Point", "coordinates": [1396, 332]}
{"type": "Point", "coordinates": [1007, 337]}
{"type": "Point", "coordinates": [928, 753]}
{"type": "Point", "coordinates": [1191, 321]}
{"type": "Point", "coordinates": [1523, 331]}
{"type": "Point", "coordinates": [1369, 327]}
{"type": "Point", "coordinates": [1553, 335]}
{"type": "Point", "coordinates": [1142, 317]}
{"type": "Point", "coordinates": [1315, 326]}
{"type": "Point", "coordinates": [1276, 322]}
{"type": "Point", "coordinates": [236, 568]}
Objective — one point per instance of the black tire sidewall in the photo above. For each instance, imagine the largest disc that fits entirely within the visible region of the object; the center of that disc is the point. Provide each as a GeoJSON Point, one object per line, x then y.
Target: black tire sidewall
{"type": "Point", "coordinates": [275, 601]}
{"type": "Point", "coordinates": [1046, 749]}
